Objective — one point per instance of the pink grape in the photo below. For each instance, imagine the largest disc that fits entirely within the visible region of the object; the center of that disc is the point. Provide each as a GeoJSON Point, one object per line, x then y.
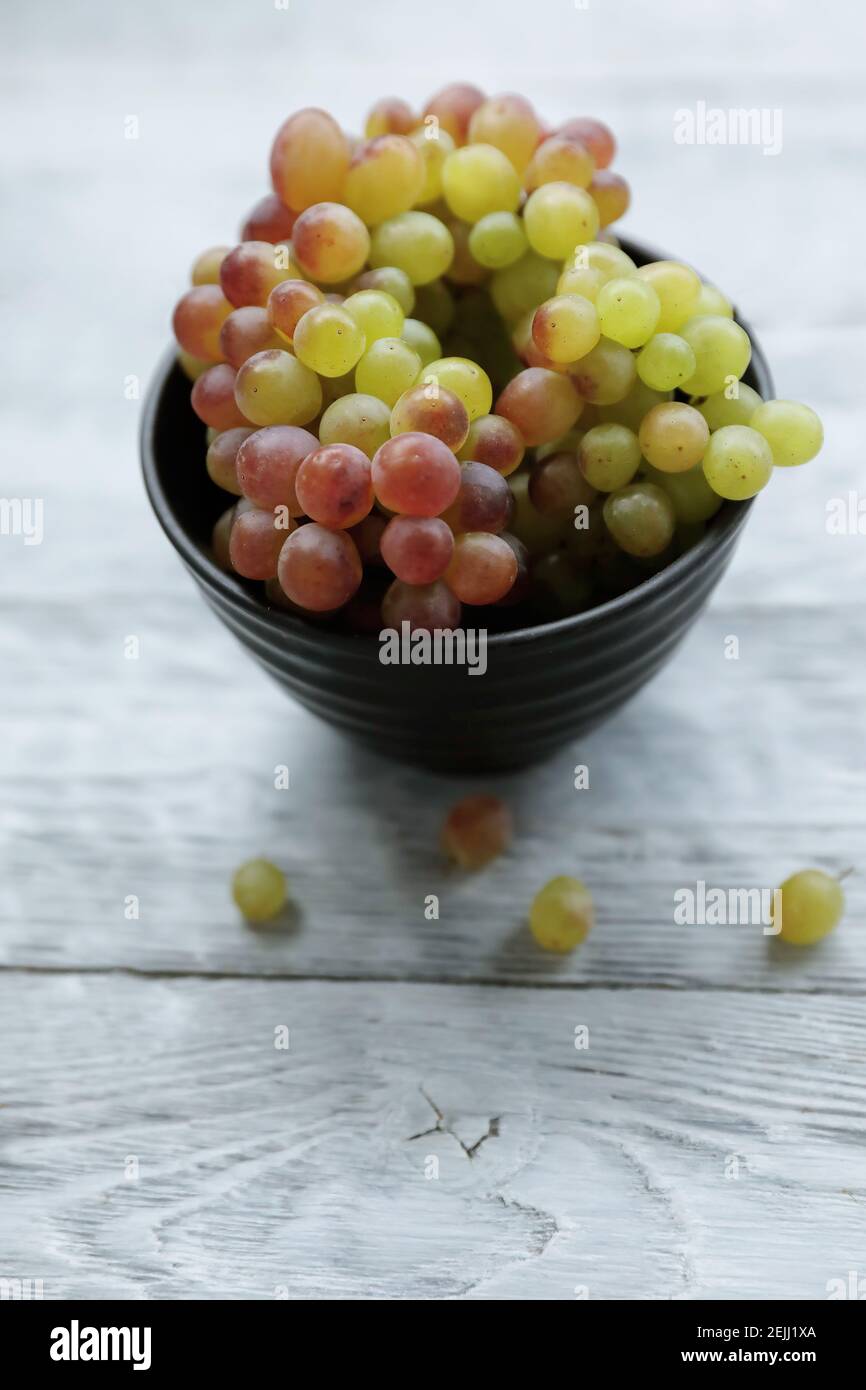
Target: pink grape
{"type": "Point", "coordinates": [268, 462]}
{"type": "Point", "coordinates": [432, 411]}
{"type": "Point", "coordinates": [222, 458]}
{"type": "Point", "coordinates": [270, 220]}
{"type": "Point", "coordinates": [484, 502]}
{"type": "Point", "coordinates": [213, 398]}
{"type": "Point", "coordinates": [417, 549]}
{"type": "Point", "coordinates": [415, 474]}
{"type": "Point", "coordinates": [255, 543]}
{"type": "Point", "coordinates": [334, 485]}
{"type": "Point", "coordinates": [249, 273]}
{"type": "Point", "coordinates": [495, 441]}
{"type": "Point", "coordinates": [247, 330]}
{"type": "Point", "coordinates": [425, 607]}
{"type": "Point", "coordinates": [319, 569]}
{"type": "Point", "coordinates": [482, 569]}
{"type": "Point", "coordinates": [198, 318]}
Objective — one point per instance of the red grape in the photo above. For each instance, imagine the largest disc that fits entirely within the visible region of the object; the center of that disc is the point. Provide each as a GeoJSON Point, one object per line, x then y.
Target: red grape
{"type": "Point", "coordinates": [494, 440]}
{"type": "Point", "coordinates": [482, 569]}
{"type": "Point", "coordinates": [557, 486]}
{"type": "Point", "coordinates": [367, 536]}
{"type": "Point", "coordinates": [213, 398]}
{"type": "Point", "coordinates": [249, 273]}
{"type": "Point", "coordinates": [476, 830]}
{"type": "Point", "coordinates": [309, 159]}
{"type": "Point", "coordinates": [255, 543]}
{"type": "Point", "coordinates": [425, 607]}
{"type": "Point", "coordinates": [542, 405]}
{"type": "Point", "coordinates": [270, 220]}
{"type": "Point", "coordinates": [611, 195]}
{"type": "Point", "coordinates": [198, 317]}
{"type": "Point", "coordinates": [222, 458]}
{"type": "Point", "coordinates": [330, 243]}
{"type": "Point", "coordinates": [288, 302]}
{"type": "Point", "coordinates": [453, 107]}
{"type": "Point", "coordinates": [415, 474]}
{"type": "Point", "coordinates": [319, 569]}
{"type": "Point", "coordinates": [594, 136]}
{"type": "Point", "coordinates": [417, 549]}
{"type": "Point", "coordinates": [334, 485]}
{"type": "Point", "coordinates": [220, 538]}
{"type": "Point", "coordinates": [522, 585]}
{"type": "Point", "coordinates": [268, 463]}
{"type": "Point", "coordinates": [245, 331]}
{"type": "Point", "coordinates": [432, 410]}
{"type": "Point", "coordinates": [484, 502]}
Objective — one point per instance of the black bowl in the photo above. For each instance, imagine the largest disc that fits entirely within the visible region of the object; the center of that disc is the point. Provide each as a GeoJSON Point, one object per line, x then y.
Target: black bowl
{"type": "Point", "coordinates": [543, 684]}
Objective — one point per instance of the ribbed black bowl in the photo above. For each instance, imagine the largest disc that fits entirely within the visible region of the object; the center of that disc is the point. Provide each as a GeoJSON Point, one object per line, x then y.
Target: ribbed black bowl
{"type": "Point", "coordinates": [543, 684]}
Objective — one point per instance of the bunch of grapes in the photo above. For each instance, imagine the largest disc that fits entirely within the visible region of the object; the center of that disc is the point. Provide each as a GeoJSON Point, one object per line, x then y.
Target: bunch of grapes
{"type": "Point", "coordinates": [432, 378]}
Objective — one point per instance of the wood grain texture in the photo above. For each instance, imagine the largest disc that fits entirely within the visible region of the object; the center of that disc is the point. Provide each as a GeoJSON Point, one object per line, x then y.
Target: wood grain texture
{"type": "Point", "coordinates": [710, 1141]}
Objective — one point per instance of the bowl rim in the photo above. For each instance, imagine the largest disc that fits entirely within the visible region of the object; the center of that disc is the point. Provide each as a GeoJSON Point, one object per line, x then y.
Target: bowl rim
{"type": "Point", "coordinates": [728, 522]}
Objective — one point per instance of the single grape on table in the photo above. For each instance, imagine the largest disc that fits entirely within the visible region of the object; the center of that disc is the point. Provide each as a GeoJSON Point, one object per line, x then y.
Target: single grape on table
{"type": "Point", "coordinates": [427, 361]}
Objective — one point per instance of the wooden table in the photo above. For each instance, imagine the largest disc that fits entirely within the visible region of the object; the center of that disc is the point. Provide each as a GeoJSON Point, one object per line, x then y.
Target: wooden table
{"type": "Point", "coordinates": [433, 1128]}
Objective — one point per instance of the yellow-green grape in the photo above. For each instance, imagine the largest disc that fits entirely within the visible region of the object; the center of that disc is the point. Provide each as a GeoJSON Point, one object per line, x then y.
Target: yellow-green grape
{"type": "Point", "coordinates": [673, 437]}
{"type": "Point", "coordinates": [793, 431]}
{"type": "Point", "coordinates": [538, 533]}
{"type": "Point", "coordinates": [328, 340]}
{"type": "Point", "coordinates": [641, 519]}
{"type": "Point", "coordinates": [722, 352]}
{"type": "Point", "coordinates": [559, 585]}
{"type": "Point", "coordinates": [561, 915]}
{"type": "Point", "coordinates": [523, 286]}
{"type": "Point", "coordinates": [738, 462]}
{"type": "Point", "coordinates": [605, 375]}
{"type": "Point", "coordinates": [665, 362]}
{"type": "Point", "coordinates": [206, 267]}
{"type": "Point", "coordinates": [565, 328]}
{"type": "Point", "coordinates": [812, 904]}
{"type": "Point", "coordinates": [364, 421]}
{"type": "Point", "coordinates": [712, 301]}
{"type": "Point", "coordinates": [259, 890]}
{"type": "Point", "coordinates": [387, 369]}
{"type": "Point", "coordinates": [434, 305]}
{"type": "Point", "coordinates": [469, 382]}
{"type": "Point", "coordinates": [628, 310]}
{"type": "Point", "coordinates": [192, 367]}
{"type": "Point", "coordinates": [609, 457]}
{"type": "Point", "coordinates": [422, 338]}
{"type": "Point", "coordinates": [693, 499]}
{"type": "Point", "coordinates": [677, 287]}
{"type": "Point", "coordinates": [557, 218]}
{"type": "Point", "coordinates": [434, 144]}
{"type": "Point", "coordinates": [416, 242]}
{"type": "Point", "coordinates": [385, 178]}
{"type": "Point", "coordinates": [275, 388]}
{"type": "Point", "coordinates": [479, 179]}
{"type": "Point", "coordinates": [509, 123]}
{"type": "Point", "coordinates": [377, 314]}
{"type": "Point", "coordinates": [631, 409]}
{"type": "Point", "coordinates": [498, 240]}
{"type": "Point", "coordinates": [734, 406]}
{"type": "Point", "coordinates": [589, 267]}
{"type": "Point", "coordinates": [393, 281]}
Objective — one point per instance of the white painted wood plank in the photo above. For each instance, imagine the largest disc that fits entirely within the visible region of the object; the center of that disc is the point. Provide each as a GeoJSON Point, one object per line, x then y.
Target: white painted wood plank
{"type": "Point", "coordinates": [703, 1146]}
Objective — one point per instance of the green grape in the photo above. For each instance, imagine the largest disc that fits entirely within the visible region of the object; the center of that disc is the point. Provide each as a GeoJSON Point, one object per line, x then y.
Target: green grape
{"type": "Point", "coordinates": [738, 462]}
{"type": "Point", "coordinates": [422, 339]}
{"type": "Point", "coordinates": [565, 328]}
{"type": "Point", "coordinates": [259, 890]}
{"type": "Point", "coordinates": [434, 145]}
{"type": "Point", "coordinates": [434, 305]}
{"type": "Point", "coordinates": [377, 314]}
{"type": "Point", "coordinates": [628, 310]}
{"type": "Point", "coordinates": [274, 388]}
{"type": "Point", "coordinates": [508, 123]}
{"type": "Point", "coordinates": [557, 218]}
{"type": "Point", "coordinates": [523, 286]}
{"type": "Point", "coordinates": [561, 915]}
{"type": "Point", "coordinates": [673, 437]}
{"type": "Point", "coordinates": [677, 287]}
{"type": "Point", "coordinates": [469, 382]}
{"type": "Point", "coordinates": [812, 904]}
{"type": "Point", "coordinates": [693, 499]}
{"type": "Point", "coordinates": [364, 421]}
{"type": "Point", "coordinates": [393, 281]}
{"type": "Point", "coordinates": [665, 362]}
{"type": "Point", "coordinates": [498, 240]}
{"type": "Point", "coordinates": [559, 584]}
{"type": "Point", "coordinates": [387, 369]}
{"type": "Point", "coordinates": [712, 301]}
{"type": "Point", "coordinates": [631, 409]}
{"type": "Point", "coordinates": [736, 408]}
{"type": "Point", "coordinates": [478, 179]}
{"type": "Point", "coordinates": [641, 519]}
{"type": "Point", "coordinates": [589, 267]}
{"type": "Point", "coordinates": [539, 533]}
{"type": "Point", "coordinates": [415, 242]}
{"type": "Point", "coordinates": [605, 375]}
{"type": "Point", "coordinates": [328, 340]}
{"type": "Point", "coordinates": [793, 431]}
{"type": "Point", "coordinates": [609, 457]}
{"type": "Point", "coordinates": [386, 176]}
{"type": "Point", "coordinates": [722, 351]}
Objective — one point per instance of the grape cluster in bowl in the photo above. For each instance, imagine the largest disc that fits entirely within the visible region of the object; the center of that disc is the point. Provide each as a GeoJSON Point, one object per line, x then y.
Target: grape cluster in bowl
{"type": "Point", "coordinates": [432, 377]}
